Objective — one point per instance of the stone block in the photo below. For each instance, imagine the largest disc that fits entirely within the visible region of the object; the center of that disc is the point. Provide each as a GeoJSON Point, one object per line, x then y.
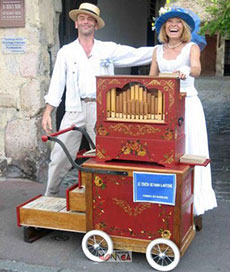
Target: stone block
{"type": "Point", "coordinates": [11, 65]}
{"type": "Point", "coordinates": [7, 101]}
{"type": "Point", "coordinates": [6, 114]}
{"type": "Point", "coordinates": [3, 167]}
{"type": "Point", "coordinates": [30, 98]}
{"type": "Point", "coordinates": [58, 6]}
{"type": "Point", "coordinates": [21, 138]}
{"type": "Point", "coordinates": [29, 65]}
{"type": "Point", "coordinates": [27, 152]}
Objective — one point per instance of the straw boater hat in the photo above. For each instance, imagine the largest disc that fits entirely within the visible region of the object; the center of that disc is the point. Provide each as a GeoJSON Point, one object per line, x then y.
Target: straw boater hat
{"type": "Point", "coordinates": [88, 9]}
{"type": "Point", "coordinates": [175, 12]}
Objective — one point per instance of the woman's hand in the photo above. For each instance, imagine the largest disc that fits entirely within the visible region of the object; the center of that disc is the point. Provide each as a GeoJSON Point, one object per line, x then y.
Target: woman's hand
{"type": "Point", "coordinates": [183, 72]}
{"type": "Point", "coordinates": [181, 75]}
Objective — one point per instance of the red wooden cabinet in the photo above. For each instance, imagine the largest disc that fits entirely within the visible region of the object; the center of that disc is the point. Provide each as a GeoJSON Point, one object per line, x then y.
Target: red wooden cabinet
{"type": "Point", "coordinates": [115, 212]}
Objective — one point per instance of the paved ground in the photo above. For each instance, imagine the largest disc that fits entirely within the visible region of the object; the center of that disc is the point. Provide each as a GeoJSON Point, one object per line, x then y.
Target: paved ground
{"type": "Point", "coordinates": [61, 251]}
{"type": "Point", "coordinates": [214, 93]}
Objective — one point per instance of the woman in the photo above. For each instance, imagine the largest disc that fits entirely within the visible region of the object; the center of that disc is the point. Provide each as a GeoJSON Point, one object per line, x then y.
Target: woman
{"type": "Point", "coordinates": [178, 54]}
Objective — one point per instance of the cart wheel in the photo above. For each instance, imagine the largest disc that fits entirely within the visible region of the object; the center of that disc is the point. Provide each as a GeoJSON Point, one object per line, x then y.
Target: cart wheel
{"type": "Point", "coordinates": [162, 254]}
{"type": "Point", "coordinates": [97, 245]}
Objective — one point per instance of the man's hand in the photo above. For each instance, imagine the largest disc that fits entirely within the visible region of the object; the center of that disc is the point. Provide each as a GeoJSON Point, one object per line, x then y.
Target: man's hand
{"type": "Point", "coordinates": [46, 119]}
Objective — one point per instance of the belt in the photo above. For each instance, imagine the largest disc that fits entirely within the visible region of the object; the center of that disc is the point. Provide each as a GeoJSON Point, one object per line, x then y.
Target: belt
{"type": "Point", "coordinates": [88, 99]}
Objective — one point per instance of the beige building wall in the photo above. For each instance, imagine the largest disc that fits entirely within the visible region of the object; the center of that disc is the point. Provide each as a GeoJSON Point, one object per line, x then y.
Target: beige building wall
{"type": "Point", "coordinates": [24, 79]}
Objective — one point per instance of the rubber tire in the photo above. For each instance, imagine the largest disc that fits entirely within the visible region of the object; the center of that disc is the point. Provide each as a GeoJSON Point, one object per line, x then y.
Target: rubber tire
{"type": "Point", "coordinates": [173, 247]}
{"type": "Point", "coordinates": [105, 237]}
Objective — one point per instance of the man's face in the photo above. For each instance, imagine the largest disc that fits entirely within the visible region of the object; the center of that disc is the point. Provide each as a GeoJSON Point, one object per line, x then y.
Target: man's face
{"type": "Point", "coordinates": [85, 24]}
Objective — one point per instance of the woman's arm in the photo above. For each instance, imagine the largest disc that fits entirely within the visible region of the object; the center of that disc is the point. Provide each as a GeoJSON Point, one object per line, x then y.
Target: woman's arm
{"type": "Point", "coordinates": [154, 70]}
{"type": "Point", "coordinates": [195, 67]}
{"type": "Point", "coordinates": [195, 61]}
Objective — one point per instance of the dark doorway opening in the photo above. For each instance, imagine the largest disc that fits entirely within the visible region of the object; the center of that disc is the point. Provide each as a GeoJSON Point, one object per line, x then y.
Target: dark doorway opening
{"type": "Point", "coordinates": [208, 56]}
{"type": "Point", "coordinates": [227, 58]}
{"type": "Point", "coordinates": [153, 7]}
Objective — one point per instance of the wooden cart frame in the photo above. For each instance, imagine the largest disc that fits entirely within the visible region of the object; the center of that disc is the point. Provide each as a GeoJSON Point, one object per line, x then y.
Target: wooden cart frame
{"type": "Point", "coordinates": [101, 205]}
{"type": "Point", "coordinates": [75, 213]}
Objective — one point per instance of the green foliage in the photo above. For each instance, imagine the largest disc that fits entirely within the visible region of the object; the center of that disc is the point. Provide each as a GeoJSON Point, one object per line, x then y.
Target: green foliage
{"type": "Point", "coordinates": [219, 21]}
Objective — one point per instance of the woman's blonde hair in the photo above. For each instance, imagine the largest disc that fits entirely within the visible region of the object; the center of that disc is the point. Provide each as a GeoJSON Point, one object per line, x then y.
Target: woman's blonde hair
{"type": "Point", "coordinates": [185, 37]}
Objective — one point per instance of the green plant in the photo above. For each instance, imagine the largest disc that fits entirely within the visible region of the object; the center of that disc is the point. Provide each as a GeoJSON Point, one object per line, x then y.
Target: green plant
{"type": "Point", "coordinates": [219, 19]}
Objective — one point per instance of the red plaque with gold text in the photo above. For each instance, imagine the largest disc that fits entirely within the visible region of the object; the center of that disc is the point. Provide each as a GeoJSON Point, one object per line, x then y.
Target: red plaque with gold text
{"type": "Point", "coordinates": [12, 13]}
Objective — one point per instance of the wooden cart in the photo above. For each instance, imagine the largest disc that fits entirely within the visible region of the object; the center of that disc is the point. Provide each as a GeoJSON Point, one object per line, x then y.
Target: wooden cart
{"type": "Point", "coordinates": [103, 208]}
{"type": "Point", "coordinates": [104, 204]}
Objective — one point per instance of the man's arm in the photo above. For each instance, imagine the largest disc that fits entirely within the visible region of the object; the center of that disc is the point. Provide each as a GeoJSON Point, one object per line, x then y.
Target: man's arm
{"type": "Point", "coordinates": [56, 89]}
{"type": "Point", "coordinates": [46, 119]}
{"type": "Point", "coordinates": [127, 56]}
{"type": "Point", "coordinates": [58, 80]}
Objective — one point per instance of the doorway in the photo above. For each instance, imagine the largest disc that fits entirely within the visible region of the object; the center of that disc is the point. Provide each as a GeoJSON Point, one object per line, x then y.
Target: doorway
{"type": "Point", "coordinates": [227, 58]}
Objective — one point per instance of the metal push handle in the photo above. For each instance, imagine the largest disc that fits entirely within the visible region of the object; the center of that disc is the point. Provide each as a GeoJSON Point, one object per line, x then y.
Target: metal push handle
{"type": "Point", "coordinates": [52, 138]}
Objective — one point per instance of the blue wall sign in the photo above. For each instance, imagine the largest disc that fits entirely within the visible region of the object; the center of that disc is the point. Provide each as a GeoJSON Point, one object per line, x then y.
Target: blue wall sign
{"type": "Point", "coordinates": [13, 45]}
{"type": "Point", "coordinates": [154, 187]}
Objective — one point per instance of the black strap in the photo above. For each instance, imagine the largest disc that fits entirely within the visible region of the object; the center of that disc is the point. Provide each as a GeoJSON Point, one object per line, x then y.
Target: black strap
{"type": "Point", "coordinates": [89, 11]}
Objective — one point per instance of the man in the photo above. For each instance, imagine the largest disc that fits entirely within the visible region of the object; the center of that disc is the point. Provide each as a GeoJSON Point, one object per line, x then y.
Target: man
{"type": "Point", "coordinates": [76, 67]}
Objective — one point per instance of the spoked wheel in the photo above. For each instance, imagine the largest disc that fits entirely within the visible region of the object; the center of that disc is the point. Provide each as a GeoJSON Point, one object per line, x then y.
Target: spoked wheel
{"type": "Point", "coordinates": [97, 245]}
{"type": "Point", "coordinates": [162, 254]}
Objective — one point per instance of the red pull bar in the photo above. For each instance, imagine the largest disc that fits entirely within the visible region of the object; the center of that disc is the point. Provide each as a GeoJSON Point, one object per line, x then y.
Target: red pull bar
{"type": "Point", "coordinates": [46, 137]}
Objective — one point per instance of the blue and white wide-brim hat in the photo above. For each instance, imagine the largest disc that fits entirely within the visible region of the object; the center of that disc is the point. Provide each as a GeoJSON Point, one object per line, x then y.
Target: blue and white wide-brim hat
{"type": "Point", "coordinates": [174, 12]}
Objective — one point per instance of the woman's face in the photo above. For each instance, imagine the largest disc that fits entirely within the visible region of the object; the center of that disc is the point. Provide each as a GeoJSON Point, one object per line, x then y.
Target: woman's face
{"type": "Point", "coordinates": [174, 27]}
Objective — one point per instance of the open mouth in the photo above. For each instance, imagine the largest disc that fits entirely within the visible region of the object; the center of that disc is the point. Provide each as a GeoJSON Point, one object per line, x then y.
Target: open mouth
{"type": "Point", "coordinates": [173, 30]}
{"type": "Point", "coordinates": [86, 27]}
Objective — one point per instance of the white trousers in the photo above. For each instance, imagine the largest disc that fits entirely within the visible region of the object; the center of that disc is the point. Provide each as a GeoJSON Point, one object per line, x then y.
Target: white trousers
{"type": "Point", "coordinates": [59, 164]}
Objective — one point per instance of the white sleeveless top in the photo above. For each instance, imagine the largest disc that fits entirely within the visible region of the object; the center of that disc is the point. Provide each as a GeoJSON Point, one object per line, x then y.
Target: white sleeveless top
{"type": "Point", "coordinates": [167, 66]}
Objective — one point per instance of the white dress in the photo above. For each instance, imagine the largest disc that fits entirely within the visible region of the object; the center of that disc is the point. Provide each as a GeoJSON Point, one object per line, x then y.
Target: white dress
{"type": "Point", "coordinates": [195, 129]}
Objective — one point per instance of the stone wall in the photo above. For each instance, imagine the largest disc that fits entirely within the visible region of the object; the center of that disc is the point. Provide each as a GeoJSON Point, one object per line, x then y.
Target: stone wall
{"type": "Point", "coordinates": [24, 79]}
